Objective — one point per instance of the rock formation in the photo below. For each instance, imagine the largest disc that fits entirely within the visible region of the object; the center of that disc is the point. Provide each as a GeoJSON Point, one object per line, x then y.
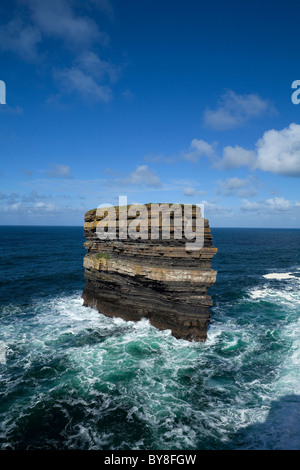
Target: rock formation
{"type": "Point", "coordinates": [158, 279]}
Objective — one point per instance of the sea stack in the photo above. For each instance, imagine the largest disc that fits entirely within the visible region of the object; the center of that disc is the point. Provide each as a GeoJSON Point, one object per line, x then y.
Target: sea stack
{"type": "Point", "coordinates": [163, 279]}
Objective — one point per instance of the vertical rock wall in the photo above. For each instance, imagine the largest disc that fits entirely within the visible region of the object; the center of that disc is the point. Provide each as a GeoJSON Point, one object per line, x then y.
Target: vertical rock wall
{"type": "Point", "coordinates": [155, 279]}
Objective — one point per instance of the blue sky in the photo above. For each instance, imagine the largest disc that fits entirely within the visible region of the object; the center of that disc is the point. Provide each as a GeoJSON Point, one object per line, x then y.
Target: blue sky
{"type": "Point", "coordinates": [162, 101]}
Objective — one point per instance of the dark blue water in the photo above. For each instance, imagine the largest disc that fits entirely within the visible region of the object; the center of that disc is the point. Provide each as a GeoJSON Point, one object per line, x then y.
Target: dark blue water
{"type": "Point", "coordinates": [71, 378]}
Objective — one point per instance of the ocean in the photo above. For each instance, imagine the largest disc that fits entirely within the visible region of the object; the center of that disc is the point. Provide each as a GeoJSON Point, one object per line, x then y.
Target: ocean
{"type": "Point", "coordinates": [71, 378]}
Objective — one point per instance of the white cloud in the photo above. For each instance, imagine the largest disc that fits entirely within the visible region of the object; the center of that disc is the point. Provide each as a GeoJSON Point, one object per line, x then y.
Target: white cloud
{"type": "Point", "coordinates": [279, 151]}
{"type": "Point", "coordinates": [19, 38]}
{"type": "Point", "coordinates": [75, 80]}
{"type": "Point", "coordinates": [100, 69]}
{"type": "Point", "coordinates": [143, 176]}
{"type": "Point", "coordinates": [276, 152]}
{"type": "Point", "coordinates": [26, 203]}
{"type": "Point", "coordinates": [190, 191]}
{"type": "Point", "coordinates": [35, 209]}
{"type": "Point", "coordinates": [235, 110]}
{"type": "Point", "coordinates": [199, 148]}
{"type": "Point", "coordinates": [16, 206]}
{"type": "Point", "coordinates": [274, 204]}
{"type": "Point", "coordinates": [213, 207]}
{"type": "Point", "coordinates": [246, 187]}
{"type": "Point", "coordinates": [58, 19]}
{"type": "Point", "coordinates": [66, 23]}
{"type": "Point", "coordinates": [278, 203]}
{"type": "Point", "coordinates": [233, 157]}
{"type": "Point", "coordinates": [59, 171]}
{"type": "Point", "coordinates": [45, 206]}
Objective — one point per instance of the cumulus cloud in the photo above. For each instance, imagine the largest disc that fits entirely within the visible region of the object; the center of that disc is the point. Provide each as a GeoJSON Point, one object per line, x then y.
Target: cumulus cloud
{"type": "Point", "coordinates": [30, 202]}
{"type": "Point", "coordinates": [34, 209]}
{"type": "Point", "coordinates": [58, 19]}
{"type": "Point", "coordinates": [234, 157]}
{"type": "Point", "coordinates": [273, 204]}
{"type": "Point", "coordinates": [64, 21]}
{"type": "Point", "coordinates": [247, 187]}
{"type": "Point", "coordinates": [86, 77]}
{"type": "Point", "coordinates": [143, 176]}
{"type": "Point", "coordinates": [199, 148]}
{"type": "Point", "coordinates": [214, 207]}
{"type": "Point", "coordinates": [45, 206]}
{"type": "Point", "coordinates": [190, 191]}
{"type": "Point", "coordinates": [235, 110]}
{"type": "Point", "coordinates": [279, 151]}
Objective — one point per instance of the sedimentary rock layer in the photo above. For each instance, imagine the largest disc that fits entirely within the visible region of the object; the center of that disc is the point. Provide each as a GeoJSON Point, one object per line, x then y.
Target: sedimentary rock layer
{"type": "Point", "coordinates": [158, 279]}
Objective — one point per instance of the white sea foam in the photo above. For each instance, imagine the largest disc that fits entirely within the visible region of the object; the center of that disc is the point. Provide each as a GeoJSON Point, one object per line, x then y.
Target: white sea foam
{"type": "Point", "coordinates": [2, 353]}
{"type": "Point", "coordinates": [280, 276]}
{"type": "Point", "coordinates": [187, 392]}
{"type": "Point", "coordinates": [289, 296]}
{"type": "Point", "coordinates": [258, 293]}
{"type": "Point", "coordinates": [289, 381]}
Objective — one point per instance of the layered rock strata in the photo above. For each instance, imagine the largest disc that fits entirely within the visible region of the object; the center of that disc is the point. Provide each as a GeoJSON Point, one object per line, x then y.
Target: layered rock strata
{"type": "Point", "coordinates": [158, 279]}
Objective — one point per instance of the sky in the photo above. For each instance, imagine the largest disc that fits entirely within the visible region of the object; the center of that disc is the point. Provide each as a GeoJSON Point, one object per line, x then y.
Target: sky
{"type": "Point", "coordinates": [179, 101]}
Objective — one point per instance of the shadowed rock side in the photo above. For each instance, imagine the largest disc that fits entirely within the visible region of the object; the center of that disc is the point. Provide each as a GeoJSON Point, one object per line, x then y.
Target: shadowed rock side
{"type": "Point", "coordinates": [155, 279]}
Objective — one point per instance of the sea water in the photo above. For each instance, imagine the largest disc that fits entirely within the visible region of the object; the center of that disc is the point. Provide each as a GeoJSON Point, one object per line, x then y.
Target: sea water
{"type": "Point", "coordinates": [71, 378]}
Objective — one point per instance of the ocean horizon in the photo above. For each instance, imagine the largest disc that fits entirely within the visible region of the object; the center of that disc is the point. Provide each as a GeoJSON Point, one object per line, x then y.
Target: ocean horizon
{"type": "Point", "coordinates": [212, 227]}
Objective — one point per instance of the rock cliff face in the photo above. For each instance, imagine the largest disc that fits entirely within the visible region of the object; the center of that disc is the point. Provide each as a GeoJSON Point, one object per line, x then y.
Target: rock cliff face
{"type": "Point", "coordinates": [158, 279]}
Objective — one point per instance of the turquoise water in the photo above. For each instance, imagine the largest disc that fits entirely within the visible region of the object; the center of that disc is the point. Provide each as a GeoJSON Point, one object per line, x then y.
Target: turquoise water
{"type": "Point", "coordinates": [71, 378]}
